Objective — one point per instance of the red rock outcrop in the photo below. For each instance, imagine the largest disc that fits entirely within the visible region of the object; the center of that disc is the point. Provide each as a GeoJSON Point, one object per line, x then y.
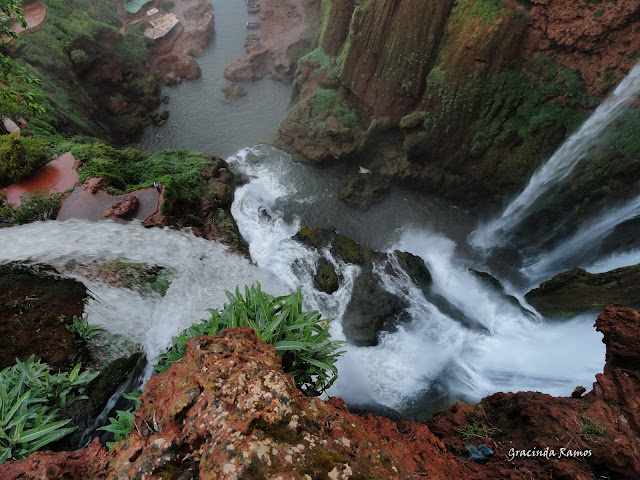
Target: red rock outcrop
{"type": "Point", "coordinates": [604, 424]}
{"type": "Point", "coordinates": [227, 411]}
{"type": "Point", "coordinates": [125, 208]}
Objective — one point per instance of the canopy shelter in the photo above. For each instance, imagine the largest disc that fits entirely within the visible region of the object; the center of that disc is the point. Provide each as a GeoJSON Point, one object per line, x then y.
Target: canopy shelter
{"type": "Point", "coordinates": [134, 6]}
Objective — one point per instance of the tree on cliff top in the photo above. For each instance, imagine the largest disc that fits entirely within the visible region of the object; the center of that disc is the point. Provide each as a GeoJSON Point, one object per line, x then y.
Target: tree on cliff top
{"type": "Point", "coordinates": [13, 80]}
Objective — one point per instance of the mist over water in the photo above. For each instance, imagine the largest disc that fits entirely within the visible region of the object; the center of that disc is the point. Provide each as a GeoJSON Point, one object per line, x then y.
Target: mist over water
{"type": "Point", "coordinates": [434, 357]}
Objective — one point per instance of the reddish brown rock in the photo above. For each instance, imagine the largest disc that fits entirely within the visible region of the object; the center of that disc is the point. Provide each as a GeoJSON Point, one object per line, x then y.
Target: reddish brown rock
{"type": "Point", "coordinates": [227, 410]}
{"type": "Point", "coordinates": [125, 208]}
{"type": "Point", "coordinates": [437, 86]}
{"type": "Point", "coordinates": [284, 26]}
{"type": "Point", "coordinates": [87, 463]}
{"type": "Point", "coordinates": [93, 184]}
{"type": "Point", "coordinates": [604, 422]}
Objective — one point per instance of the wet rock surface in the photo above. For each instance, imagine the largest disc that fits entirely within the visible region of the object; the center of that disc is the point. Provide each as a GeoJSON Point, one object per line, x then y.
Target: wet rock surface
{"type": "Point", "coordinates": [371, 308]}
{"type": "Point", "coordinates": [35, 306]}
{"type": "Point", "coordinates": [604, 422]}
{"type": "Point", "coordinates": [125, 208]}
{"type": "Point", "coordinates": [578, 291]}
{"type": "Point", "coordinates": [228, 411]}
{"type": "Point", "coordinates": [233, 92]}
{"type": "Point", "coordinates": [362, 190]}
{"type": "Point", "coordinates": [420, 92]}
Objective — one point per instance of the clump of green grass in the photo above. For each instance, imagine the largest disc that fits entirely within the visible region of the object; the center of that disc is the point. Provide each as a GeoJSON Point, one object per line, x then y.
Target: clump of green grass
{"type": "Point", "coordinates": [328, 99]}
{"type": "Point", "coordinates": [300, 338]}
{"type": "Point", "coordinates": [30, 400]}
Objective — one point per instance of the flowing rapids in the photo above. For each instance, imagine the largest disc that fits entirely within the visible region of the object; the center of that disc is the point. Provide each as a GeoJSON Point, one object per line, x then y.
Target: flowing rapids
{"type": "Point", "coordinates": [433, 358]}
{"type": "Point", "coordinates": [561, 163]}
{"type": "Point", "coordinates": [204, 270]}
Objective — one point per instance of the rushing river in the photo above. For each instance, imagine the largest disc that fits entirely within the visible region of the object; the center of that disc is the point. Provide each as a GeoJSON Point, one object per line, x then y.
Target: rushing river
{"type": "Point", "coordinates": [433, 358]}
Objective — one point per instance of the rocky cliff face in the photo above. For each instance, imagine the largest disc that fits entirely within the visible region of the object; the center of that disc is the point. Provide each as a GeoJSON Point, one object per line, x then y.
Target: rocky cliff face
{"type": "Point", "coordinates": [465, 98]}
{"type": "Point", "coordinates": [228, 411]}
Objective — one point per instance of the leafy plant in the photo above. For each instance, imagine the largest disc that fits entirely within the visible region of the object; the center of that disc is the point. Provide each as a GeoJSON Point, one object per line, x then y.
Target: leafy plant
{"type": "Point", "coordinates": [122, 424]}
{"type": "Point", "coordinates": [20, 157]}
{"type": "Point", "coordinates": [81, 328]}
{"type": "Point", "coordinates": [300, 338]}
{"type": "Point", "coordinates": [592, 428]}
{"type": "Point", "coordinates": [37, 207]}
{"type": "Point", "coordinates": [30, 399]}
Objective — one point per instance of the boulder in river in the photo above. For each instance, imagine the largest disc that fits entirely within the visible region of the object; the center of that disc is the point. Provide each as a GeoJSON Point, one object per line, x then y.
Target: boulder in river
{"type": "Point", "coordinates": [578, 291]}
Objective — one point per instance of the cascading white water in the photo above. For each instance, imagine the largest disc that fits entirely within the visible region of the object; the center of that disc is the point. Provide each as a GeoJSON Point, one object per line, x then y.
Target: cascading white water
{"type": "Point", "coordinates": [204, 270]}
{"type": "Point", "coordinates": [433, 355]}
{"type": "Point", "coordinates": [561, 163]}
{"type": "Point", "coordinates": [568, 253]}
{"type": "Point", "coordinates": [613, 261]}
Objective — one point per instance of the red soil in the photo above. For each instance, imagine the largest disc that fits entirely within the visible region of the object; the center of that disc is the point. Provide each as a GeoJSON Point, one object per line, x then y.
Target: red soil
{"type": "Point", "coordinates": [55, 176]}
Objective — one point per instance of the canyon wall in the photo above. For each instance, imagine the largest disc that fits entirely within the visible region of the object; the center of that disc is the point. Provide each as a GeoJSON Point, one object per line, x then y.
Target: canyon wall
{"type": "Point", "coordinates": [461, 98]}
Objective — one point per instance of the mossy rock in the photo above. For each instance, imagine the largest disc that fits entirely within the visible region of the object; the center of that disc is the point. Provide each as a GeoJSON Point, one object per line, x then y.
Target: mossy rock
{"type": "Point", "coordinates": [326, 279]}
{"type": "Point", "coordinates": [415, 268]}
{"type": "Point", "coordinates": [578, 291]}
{"type": "Point", "coordinates": [362, 190]}
{"type": "Point", "coordinates": [370, 310]}
{"type": "Point", "coordinates": [351, 252]}
{"type": "Point", "coordinates": [307, 235]}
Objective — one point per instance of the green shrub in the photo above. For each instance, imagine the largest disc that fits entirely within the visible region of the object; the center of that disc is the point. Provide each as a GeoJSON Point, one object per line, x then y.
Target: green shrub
{"type": "Point", "coordinates": [80, 327]}
{"type": "Point", "coordinates": [30, 399]}
{"type": "Point", "coordinates": [6, 210]}
{"type": "Point", "coordinates": [122, 424]}
{"type": "Point", "coordinates": [20, 157]}
{"type": "Point", "coordinates": [300, 338]}
{"type": "Point", "coordinates": [37, 207]}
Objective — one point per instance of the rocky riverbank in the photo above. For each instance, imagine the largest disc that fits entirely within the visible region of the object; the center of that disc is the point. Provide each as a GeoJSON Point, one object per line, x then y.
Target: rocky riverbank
{"type": "Point", "coordinates": [287, 29]}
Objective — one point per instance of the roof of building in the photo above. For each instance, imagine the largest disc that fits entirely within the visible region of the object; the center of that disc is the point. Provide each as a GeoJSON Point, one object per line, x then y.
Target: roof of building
{"type": "Point", "coordinates": [161, 26]}
{"type": "Point", "coordinates": [134, 6]}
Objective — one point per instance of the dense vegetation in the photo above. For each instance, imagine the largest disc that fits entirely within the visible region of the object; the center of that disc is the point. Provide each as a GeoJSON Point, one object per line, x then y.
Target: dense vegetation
{"type": "Point", "coordinates": [20, 157]}
{"type": "Point", "coordinates": [31, 397]}
{"type": "Point", "coordinates": [76, 37]}
{"type": "Point", "coordinates": [180, 171]}
{"type": "Point", "coordinates": [300, 338]}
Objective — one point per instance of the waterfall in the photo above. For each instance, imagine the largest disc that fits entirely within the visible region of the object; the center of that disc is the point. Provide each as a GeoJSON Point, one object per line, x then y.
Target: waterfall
{"type": "Point", "coordinates": [483, 343]}
{"type": "Point", "coordinates": [434, 356]}
{"type": "Point", "coordinates": [204, 270]}
{"type": "Point", "coordinates": [571, 252]}
{"type": "Point", "coordinates": [561, 163]}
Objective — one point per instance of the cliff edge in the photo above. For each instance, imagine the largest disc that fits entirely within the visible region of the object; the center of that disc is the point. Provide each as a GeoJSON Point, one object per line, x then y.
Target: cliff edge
{"type": "Point", "coordinates": [227, 411]}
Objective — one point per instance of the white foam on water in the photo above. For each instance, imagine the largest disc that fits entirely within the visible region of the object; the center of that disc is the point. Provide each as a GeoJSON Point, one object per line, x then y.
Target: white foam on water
{"type": "Point", "coordinates": [204, 270]}
{"type": "Point", "coordinates": [430, 351]}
